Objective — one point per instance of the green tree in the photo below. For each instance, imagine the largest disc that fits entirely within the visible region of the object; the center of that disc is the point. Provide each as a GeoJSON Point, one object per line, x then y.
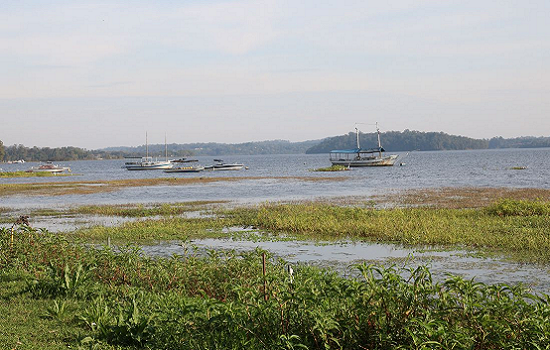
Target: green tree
{"type": "Point", "coordinates": [1, 151]}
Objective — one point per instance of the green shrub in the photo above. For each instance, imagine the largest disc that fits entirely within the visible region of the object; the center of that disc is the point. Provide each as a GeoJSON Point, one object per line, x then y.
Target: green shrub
{"type": "Point", "coordinates": [514, 207]}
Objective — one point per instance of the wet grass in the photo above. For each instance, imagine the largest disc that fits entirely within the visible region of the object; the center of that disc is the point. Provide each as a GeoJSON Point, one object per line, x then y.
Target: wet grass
{"type": "Point", "coordinates": [145, 210]}
{"type": "Point", "coordinates": [59, 294]}
{"type": "Point", "coordinates": [130, 210]}
{"type": "Point", "coordinates": [154, 230]}
{"type": "Point", "coordinates": [91, 187]}
{"type": "Point", "coordinates": [333, 168]}
{"type": "Point", "coordinates": [524, 236]}
{"type": "Point", "coordinates": [10, 174]}
{"type": "Point", "coordinates": [457, 197]}
{"type": "Point", "coordinates": [519, 229]}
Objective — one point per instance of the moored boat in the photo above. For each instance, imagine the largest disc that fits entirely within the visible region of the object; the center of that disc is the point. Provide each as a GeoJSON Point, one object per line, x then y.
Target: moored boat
{"type": "Point", "coordinates": [221, 165]}
{"type": "Point", "coordinates": [185, 169]}
{"type": "Point", "coordinates": [359, 157]}
{"type": "Point", "coordinates": [49, 167]}
{"type": "Point", "coordinates": [147, 163]}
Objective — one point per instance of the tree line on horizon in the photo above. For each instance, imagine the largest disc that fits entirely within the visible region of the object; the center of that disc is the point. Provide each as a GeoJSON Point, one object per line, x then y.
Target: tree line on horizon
{"type": "Point", "coordinates": [410, 140]}
{"type": "Point", "coordinates": [393, 141]}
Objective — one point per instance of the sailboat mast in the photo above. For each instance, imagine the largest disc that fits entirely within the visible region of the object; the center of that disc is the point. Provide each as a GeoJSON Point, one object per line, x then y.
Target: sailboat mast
{"type": "Point", "coordinates": [146, 146]}
{"type": "Point", "coordinates": [379, 144]}
{"type": "Point", "coordinates": [357, 138]}
{"type": "Point", "coordinates": [165, 148]}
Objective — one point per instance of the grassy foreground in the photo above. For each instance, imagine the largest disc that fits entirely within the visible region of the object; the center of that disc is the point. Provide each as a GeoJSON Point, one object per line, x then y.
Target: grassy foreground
{"type": "Point", "coordinates": [57, 294]}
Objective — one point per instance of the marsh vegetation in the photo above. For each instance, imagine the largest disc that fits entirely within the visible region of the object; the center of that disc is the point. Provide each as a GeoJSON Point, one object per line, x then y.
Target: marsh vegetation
{"type": "Point", "coordinates": [62, 293]}
{"type": "Point", "coordinates": [59, 290]}
{"type": "Point", "coordinates": [10, 174]}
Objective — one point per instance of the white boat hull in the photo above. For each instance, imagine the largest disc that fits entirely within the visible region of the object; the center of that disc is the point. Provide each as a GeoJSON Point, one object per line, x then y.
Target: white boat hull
{"type": "Point", "coordinates": [147, 163]}
{"type": "Point", "coordinates": [185, 170]}
{"type": "Point", "coordinates": [223, 167]}
{"type": "Point", "coordinates": [149, 167]}
{"type": "Point", "coordinates": [376, 161]}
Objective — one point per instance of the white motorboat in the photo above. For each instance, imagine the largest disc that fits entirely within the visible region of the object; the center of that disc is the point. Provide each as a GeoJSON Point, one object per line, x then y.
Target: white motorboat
{"type": "Point", "coordinates": [49, 167]}
{"type": "Point", "coordinates": [358, 157]}
{"type": "Point", "coordinates": [185, 169]}
{"type": "Point", "coordinates": [221, 165]}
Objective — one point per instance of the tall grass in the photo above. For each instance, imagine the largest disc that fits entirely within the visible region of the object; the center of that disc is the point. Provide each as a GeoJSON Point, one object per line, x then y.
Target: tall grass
{"type": "Point", "coordinates": [118, 298]}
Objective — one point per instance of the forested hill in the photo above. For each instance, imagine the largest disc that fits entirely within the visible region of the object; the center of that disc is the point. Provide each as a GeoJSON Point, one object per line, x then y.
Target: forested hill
{"type": "Point", "coordinates": [401, 141]}
{"type": "Point", "coordinates": [219, 149]}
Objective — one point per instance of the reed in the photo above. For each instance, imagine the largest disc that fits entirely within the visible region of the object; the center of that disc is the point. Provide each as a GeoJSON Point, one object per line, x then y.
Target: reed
{"type": "Point", "coordinates": [119, 299]}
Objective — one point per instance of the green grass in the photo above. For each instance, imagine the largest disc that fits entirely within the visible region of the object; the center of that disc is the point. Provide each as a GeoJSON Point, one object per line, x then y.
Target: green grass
{"type": "Point", "coordinates": [526, 208]}
{"type": "Point", "coordinates": [59, 294]}
{"type": "Point", "coordinates": [147, 230]}
{"type": "Point", "coordinates": [144, 210]}
{"type": "Point", "coordinates": [524, 237]}
{"type": "Point", "coordinates": [9, 174]}
{"type": "Point", "coordinates": [333, 168]}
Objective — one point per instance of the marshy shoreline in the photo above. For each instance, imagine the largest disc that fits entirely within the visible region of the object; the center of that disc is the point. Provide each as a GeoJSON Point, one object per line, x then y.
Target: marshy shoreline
{"type": "Point", "coordinates": [61, 291]}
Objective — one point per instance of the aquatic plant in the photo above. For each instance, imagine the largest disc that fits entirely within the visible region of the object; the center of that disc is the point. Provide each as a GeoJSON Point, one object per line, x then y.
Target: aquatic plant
{"type": "Point", "coordinates": [523, 237]}
{"type": "Point", "coordinates": [9, 174]}
{"type": "Point", "coordinates": [144, 210]}
{"type": "Point", "coordinates": [513, 207]}
{"type": "Point", "coordinates": [333, 168]}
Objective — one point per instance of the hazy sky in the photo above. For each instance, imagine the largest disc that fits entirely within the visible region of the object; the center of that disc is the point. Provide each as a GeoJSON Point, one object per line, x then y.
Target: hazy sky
{"type": "Point", "coordinates": [101, 73]}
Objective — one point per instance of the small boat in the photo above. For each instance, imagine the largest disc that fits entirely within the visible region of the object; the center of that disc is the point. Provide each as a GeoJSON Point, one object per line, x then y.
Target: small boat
{"type": "Point", "coordinates": [147, 163]}
{"type": "Point", "coordinates": [358, 157]}
{"type": "Point", "coordinates": [185, 169]}
{"type": "Point", "coordinates": [49, 167]}
{"type": "Point", "coordinates": [221, 165]}
{"type": "Point", "coordinates": [183, 160]}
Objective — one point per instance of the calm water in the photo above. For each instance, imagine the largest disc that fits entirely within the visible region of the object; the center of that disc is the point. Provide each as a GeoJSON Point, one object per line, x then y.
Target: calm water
{"type": "Point", "coordinates": [480, 168]}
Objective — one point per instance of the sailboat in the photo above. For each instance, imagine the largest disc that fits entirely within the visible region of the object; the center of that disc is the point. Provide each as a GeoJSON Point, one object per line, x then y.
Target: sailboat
{"type": "Point", "coordinates": [147, 162]}
{"type": "Point", "coordinates": [358, 157]}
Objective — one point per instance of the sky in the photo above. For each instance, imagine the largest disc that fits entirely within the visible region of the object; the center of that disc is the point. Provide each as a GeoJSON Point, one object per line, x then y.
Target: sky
{"type": "Point", "coordinates": [95, 74]}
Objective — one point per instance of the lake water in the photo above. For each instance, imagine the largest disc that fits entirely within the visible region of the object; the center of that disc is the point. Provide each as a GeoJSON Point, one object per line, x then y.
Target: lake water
{"type": "Point", "coordinates": [479, 168]}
